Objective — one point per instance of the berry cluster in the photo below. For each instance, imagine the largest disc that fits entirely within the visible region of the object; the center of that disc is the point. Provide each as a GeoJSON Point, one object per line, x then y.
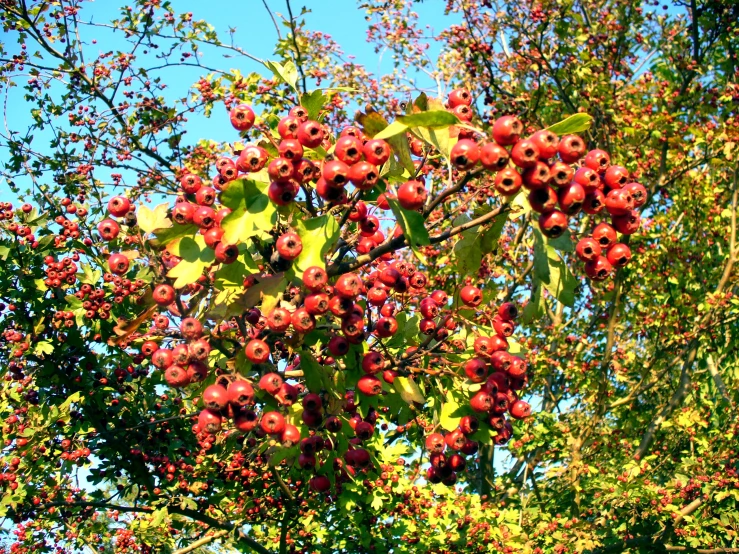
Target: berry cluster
{"type": "Point", "coordinates": [63, 271]}
{"type": "Point", "coordinates": [562, 179]}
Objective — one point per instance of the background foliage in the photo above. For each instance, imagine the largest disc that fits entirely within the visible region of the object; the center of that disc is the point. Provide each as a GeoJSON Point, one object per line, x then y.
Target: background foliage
{"type": "Point", "coordinates": [633, 443]}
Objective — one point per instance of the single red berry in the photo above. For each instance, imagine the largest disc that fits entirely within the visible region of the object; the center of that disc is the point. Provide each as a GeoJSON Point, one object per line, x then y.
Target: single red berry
{"type": "Point", "coordinates": [571, 148]}
{"type": "Point", "coordinates": [627, 224]}
{"type": "Point", "coordinates": [119, 206]}
{"type": "Point", "coordinates": [465, 154]}
{"type": "Point", "coordinates": [598, 269]}
{"type": "Point", "coordinates": [508, 181]}
{"type": "Point", "coordinates": [553, 224]}
{"type": "Point", "coordinates": [412, 195]}
{"type": "Point", "coordinates": [470, 295]}
{"type": "Point", "coordinates": [604, 235]}
{"type": "Point", "coordinates": [619, 255]}
{"type": "Point", "coordinates": [588, 249]}
{"type": "Point", "coordinates": [163, 295]}
{"type": "Point", "coordinates": [118, 264]}
{"type": "Point", "coordinates": [525, 153]}
{"type": "Point", "coordinates": [507, 130]}
{"type": "Point", "coordinates": [376, 151]}
{"type": "Point", "coordinates": [289, 246]}
{"type": "Point", "coordinates": [242, 117]}
{"type": "Point", "coordinates": [108, 229]}
{"type": "Point", "coordinates": [493, 157]}
{"type": "Point", "coordinates": [547, 143]}
{"type": "Point", "coordinates": [257, 351]}
{"type": "Point", "coordinates": [310, 134]}
{"type": "Point", "coordinates": [459, 97]}
{"type": "Point", "coordinates": [543, 200]}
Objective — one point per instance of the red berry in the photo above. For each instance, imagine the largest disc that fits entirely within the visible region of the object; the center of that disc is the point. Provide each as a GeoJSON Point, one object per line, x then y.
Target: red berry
{"type": "Point", "coordinates": [553, 224]}
{"type": "Point", "coordinates": [310, 134]}
{"type": "Point", "coordinates": [508, 181]}
{"type": "Point", "coordinates": [571, 148]}
{"type": "Point", "coordinates": [108, 229]}
{"type": "Point", "coordinates": [369, 385]}
{"type": "Point", "coordinates": [543, 200]}
{"type": "Point", "coordinates": [257, 351]}
{"type": "Point", "coordinates": [507, 130]}
{"type": "Point", "coordinates": [619, 255]}
{"type": "Point", "coordinates": [209, 422]}
{"type": "Point", "coordinates": [348, 149]}
{"type": "Point", "coordinates": [271, 383]}
{"type": "Point", "coordinates": [493, 157]}
{"type": "Point", "coordinates": [412, 195]}
{"type": "Point", "coordinates": [376, 151]}
{"type": "Point", "coordinates": [588, 249]}
{"type": "Point", "coordinates": [215, 397]}
{"type": "Point", "coordinates": [547, 143]}
{"type": "Point", "coordinates": [336, 173]}
{"type": "Point", "coordinates": [289, 246]}
{"type": "Point", "coordinates": [272, 423]}
{"type": "Point", "coordinates": [163, 295]}
{"type": "Point", "coordinates": [315, 278]}
{"type": "Point", "coordinates": [242, 117]}
{"type": "Point", "coordinates": [597, 160]}
{"type": "Point", "coordinates": [604, 235]}
{"type": "Point", "coordinates": [476, 370]}
{"type": "Point", "coordinates": [240, 393]}
{"type": "Point", "coordinates": [627, 224]}
{"type": "Point", "coordinates": [118, 264]}
{"type": "Point", "coordinates": [363, 175]}
{"type": "Point", "coordinates": [460, 97]}
{"type": "Point", "coordinates": [598, 269]}
{"type": "Point", "coordinates": [465, 154]}
{"type": "Point", "coordinates": [119, 206]}
{"type": "Point", "coordinates": [471, 296]}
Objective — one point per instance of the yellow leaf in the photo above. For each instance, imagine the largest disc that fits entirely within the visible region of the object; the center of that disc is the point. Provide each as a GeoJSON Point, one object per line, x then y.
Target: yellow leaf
{"type": "Point", "coordinates": [408, 390]}
{"type": "Point", "coordinates": [151, 220]}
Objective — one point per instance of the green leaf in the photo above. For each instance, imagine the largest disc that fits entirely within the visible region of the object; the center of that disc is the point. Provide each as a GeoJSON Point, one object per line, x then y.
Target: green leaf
{"type": "Point", "coordinates": [150, 220]}
{"type": "Point", "coordinates": [158, 516]}
{"type": "Point", "coordinates": [519, 205]}
{"type": "Point", "coordinates": [268, 290]}
{"type": "Point", "coordinates": [196, 256]}
{"type": "Point", "coordinates": [476, 243]}
{"type": "Point", "coordinates": [313, 102]}
{"type": "Point", "coordinates": [252, 212]}
{"type": "Point", "coordinates": [439, 139]}
{"type": "Point", "coordinates": [395, 128]}
{"type": "Point", "coordinates": [372, 122]}
{"type": "Point", "coordinates": [43, 347]}
{"type": "Point", "coordinates": [435, 119]}
{"type": "Point", "coordinates": [229, 279]}
{"type": "Point", "coordinates": [535, 307]}
{"type": "Point", "coordinates": [402, 150]}
{"type": "Point", "coordinates": [316, 375]}
{"type": "Point", "coordinates": [4, 251]}
{"type": "Point", "coordinates": [551, 270]}
{"type": "Point", "coordinates": [286, 73]}
{"type": "Point", "coordinates": [574, 124]}
{"type": "Point", "coordinates": [421, 103]}
{"type": "Point", "coordinates": [318, 235]}
{"type": "Point", "coordinates": [171, 234]}
{"type": "Point", "coordinates": [541, 259]}
{"type": "Point", "coordinates": [562, 243]}
{"type": "Point", "coordinates": [90, 276]}
{"type": "Point", "coordinates": [413, 227]}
